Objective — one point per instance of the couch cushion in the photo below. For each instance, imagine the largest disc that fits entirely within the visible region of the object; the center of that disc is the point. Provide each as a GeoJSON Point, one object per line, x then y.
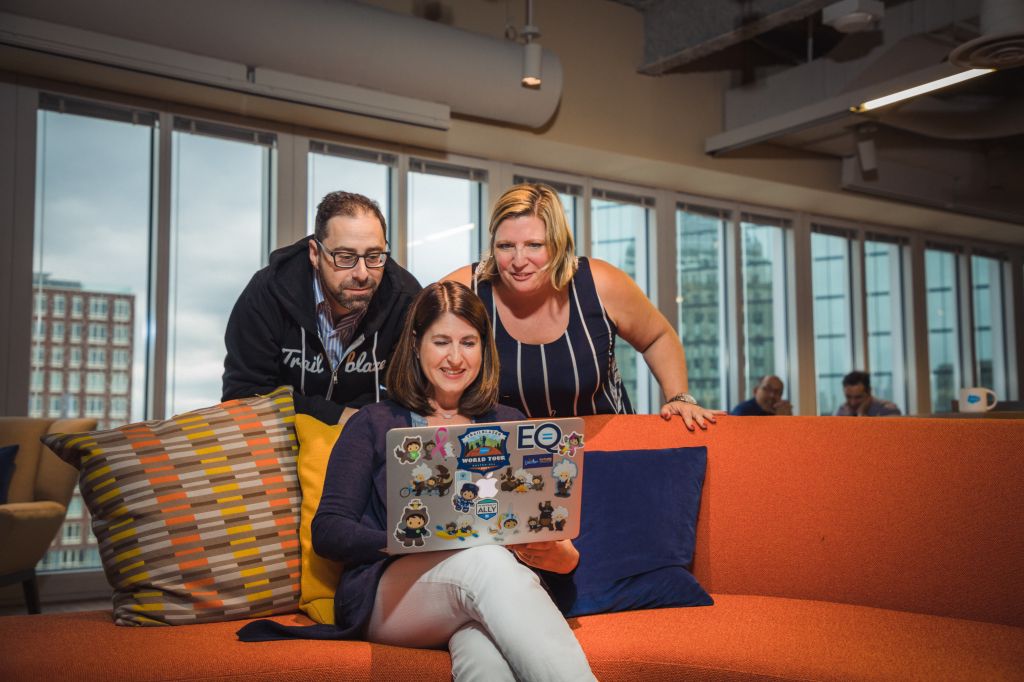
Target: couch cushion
{"type": "Point", "coordinates": [638, 525]}
{"type": "Point", "coordinates": [196, 516]}
{"type": "Point", "coordinates": [7, 455]}
{"type": "Point", "coordinates": [751, 637]}
{"type": "Point", "coordinates": [319, 575]}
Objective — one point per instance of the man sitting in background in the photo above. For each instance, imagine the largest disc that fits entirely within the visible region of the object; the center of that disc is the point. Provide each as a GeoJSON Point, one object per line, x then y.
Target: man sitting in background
{"type": "Point", "coordinates": [860, 402]}
{"type": "Point", "coordinates": [767, 400]}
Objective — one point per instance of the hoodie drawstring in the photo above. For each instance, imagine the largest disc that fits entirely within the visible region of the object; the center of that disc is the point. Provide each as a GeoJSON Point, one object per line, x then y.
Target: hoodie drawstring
{"type": "Point", "coordinates": [302, 379]}
{"type": "Point", "coordinates": [376, 367]}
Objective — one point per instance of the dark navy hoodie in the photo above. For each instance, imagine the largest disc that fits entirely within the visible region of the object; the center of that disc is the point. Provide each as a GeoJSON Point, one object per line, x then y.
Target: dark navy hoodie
{"type": "Point", "coordinates": [272, 338]}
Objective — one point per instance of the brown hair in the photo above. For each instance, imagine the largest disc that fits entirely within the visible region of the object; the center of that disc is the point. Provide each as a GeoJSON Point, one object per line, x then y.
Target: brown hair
{"type": "Point", "coordinates": [405, 381]}
{"type": "Point", "coordinates": [345, 204]}
{"type": "Point", "coordinates": [534, 199]}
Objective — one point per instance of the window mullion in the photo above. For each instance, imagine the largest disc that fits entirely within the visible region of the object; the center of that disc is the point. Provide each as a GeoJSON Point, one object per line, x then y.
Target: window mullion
{"type": "Point", "coordinates": [159, 270]}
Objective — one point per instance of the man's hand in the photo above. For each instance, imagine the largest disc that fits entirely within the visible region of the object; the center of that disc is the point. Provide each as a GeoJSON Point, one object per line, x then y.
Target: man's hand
{"type": "Point", "coordinates": [782, 407]}
{"type": "Point", "coordinates": [346, 414]}
{"type": "Point", "coordinates": [557, 556]}
{"type": "Point", "coordinates": [865, 405]}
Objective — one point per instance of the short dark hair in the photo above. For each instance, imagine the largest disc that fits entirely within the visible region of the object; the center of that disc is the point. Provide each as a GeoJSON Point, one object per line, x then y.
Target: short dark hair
{"type": "Point", "coordinates": [405, 381]}
{"type": "Point", "coordinates": [858, 378]}
{"type": "Point", "coordinates": [345, 204]}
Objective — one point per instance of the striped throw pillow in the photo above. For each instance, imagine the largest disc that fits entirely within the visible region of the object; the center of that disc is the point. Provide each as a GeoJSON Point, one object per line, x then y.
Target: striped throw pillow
{"type": "Point", "coordinates": [197, 517]}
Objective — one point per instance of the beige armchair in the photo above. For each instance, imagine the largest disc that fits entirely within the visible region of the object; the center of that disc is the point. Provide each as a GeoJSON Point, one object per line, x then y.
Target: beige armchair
{"type": "Point", "coordinates": [37, 499]}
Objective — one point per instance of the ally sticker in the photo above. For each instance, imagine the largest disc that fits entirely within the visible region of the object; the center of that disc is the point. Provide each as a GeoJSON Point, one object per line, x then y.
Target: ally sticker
{"type": "Point", "coordinates": [487, 508]}
{"type": "Point", "coordinates": [483, 449]}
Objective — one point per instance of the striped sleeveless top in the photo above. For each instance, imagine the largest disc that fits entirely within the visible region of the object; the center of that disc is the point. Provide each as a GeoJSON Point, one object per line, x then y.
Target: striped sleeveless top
{"type": "Point", "coordinates": [574, 375]}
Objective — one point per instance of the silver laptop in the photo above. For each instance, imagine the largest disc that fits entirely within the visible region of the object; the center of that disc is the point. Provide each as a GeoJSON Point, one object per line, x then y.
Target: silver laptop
{"type": "Point", "coordinates": [453, 487]}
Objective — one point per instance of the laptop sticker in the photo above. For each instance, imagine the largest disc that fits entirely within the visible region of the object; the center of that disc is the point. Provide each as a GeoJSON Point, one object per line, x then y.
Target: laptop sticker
{"type": "Point", "coordinates": [410, 450]}
{"type": "Point", "coordinates": [413, 527]}
{"type": "Point", "coordinates": [507, 525]}
{"type": "Point", "coordinates": [564, 474]}
{"type": "Point", "coordinates": [463, 500]}
{"type": "Point", "coordinates": [483, 449]}
{"type": "Point", "coordinates": [459, 529]}
{"type": "Point", "coordinates": [571, 444]}
{"type": "Point", "coordinates": [444, 446]}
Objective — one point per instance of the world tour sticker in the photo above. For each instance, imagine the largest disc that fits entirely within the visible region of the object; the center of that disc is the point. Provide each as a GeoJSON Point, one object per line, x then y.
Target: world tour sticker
{"type": "Point", "coordinates": [483, 449]}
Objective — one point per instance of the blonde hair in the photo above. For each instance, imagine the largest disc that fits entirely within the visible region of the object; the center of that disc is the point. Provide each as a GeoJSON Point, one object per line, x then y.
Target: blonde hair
{"type": "Point", "coordinates": [540, 201]}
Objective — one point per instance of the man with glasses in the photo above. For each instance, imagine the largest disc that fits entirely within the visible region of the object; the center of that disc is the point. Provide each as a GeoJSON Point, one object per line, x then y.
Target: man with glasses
{"type": "Point", "coordinates": [323, 316]}
{"type": "Point", "coordinates": [767, 400]}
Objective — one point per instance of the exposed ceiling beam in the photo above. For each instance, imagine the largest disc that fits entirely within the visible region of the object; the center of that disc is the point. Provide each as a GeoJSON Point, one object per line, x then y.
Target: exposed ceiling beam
{"type": "Point", "coordinates": [677, 33]}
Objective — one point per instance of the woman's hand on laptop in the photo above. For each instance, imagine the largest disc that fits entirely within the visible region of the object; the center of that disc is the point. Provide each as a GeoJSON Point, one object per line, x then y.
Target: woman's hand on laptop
{"type": "Point", "coordinates": [558, 556]}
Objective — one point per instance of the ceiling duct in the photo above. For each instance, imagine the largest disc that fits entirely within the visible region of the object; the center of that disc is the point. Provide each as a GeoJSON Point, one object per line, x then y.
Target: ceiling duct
{"type": "Point", "coordinates": [1001, 43]}
{"type": "Point", "coordinates": [341, 55]}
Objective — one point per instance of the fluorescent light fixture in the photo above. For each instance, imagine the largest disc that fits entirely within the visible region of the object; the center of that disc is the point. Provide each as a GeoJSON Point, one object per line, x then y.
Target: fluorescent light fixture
{"type": "Point", "coordinates": [920, 90]}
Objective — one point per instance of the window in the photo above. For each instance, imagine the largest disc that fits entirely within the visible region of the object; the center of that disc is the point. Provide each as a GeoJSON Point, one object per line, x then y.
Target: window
{"type": "Point", "coordinates": [97, 332]}
{"type": "Point", "coordinates": [37, 380]}
{"type": "Point", "coordinates": [120, 358]}
{"type": "Point", "coordinates": [122, 334]}
{"type": "Point", "coordinates": [94, 407]}
{"type": "Point", "coordinates": [118, 408]}
{"type": "Point", "coordinates": [55, 409]}
{"type": "Point", "coordinates": [333, 167]}
{"type": "Point", "coordinates": [93, 197]}
{"type": "Point", "coordinates": [119, 382]}
{"type": "Point", "coordinates": [765, 303]}
{"type": "Point", "coordinates": [887, 352]}
{"type": "Point", "coordinates": [39, 330]}
{"type": "Point", "coordinates": [57, 332]}
{"type": "Point", "coordinates": [620, 224]}
{"type": "Point", "coordinates": [990, 347]}
{"type": "Point", "coordinates": [700, 299]}
{"type": "Point", "coordinates": [71, 533]}
{"type": "Point", "coordinates": [98, 308]}
{"type": "Point", "coordinates": [122, 309]}
{"type": "Point", "coordinates": [40, 304]}
{"type": "Point", "coordinates": [56, 382]}
{"type": "Point", "coordinates": [95, 382]}
{"type": "Point", "coordinates": [445, 210]}
{"type": "Point", "coordinates": [207, 223]}
{"type": "Point", "coordinates": [943, 327]}
{"type": "Point", "coordinates": [74, 382]}
{"type": "Point", "coordinates": [73, 406]}
{"type": "Point", "coordinates": [35, 405]}
{"type": "Point", "coordinates": [38, 356]}
{"type": "Point", "coordinates": [97, 357]}
{"type": "Point", "coordinates": [833, 328]}
{"type": "Point", "coordinates": [58, 305]}
{"type": "Point", "coordinates": [56, 356]}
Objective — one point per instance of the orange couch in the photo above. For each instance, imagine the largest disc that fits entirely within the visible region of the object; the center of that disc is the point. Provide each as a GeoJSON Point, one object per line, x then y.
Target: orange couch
{"type": "Point", "coordinates": [834, 548]}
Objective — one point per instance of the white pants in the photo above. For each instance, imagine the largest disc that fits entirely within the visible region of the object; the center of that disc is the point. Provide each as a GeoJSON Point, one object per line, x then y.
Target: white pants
{"type": "Point", "coordinates": [490, 610]}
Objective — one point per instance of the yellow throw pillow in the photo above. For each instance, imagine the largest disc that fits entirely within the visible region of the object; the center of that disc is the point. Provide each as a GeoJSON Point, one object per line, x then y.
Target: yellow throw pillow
{"type": "Point", "coordinates": [320, 576]}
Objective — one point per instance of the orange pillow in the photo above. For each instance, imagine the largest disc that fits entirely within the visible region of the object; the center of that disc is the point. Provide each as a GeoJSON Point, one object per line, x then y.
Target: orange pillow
{"type": "Point", "coordinates": [320, 576]}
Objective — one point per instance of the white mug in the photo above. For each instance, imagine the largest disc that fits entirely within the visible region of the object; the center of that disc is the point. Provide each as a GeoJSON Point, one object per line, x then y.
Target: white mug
{"type": "Point", "coordinates": [976, 399]}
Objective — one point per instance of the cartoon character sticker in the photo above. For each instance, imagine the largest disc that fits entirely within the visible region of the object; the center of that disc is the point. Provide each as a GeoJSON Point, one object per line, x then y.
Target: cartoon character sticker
{"type": "Point", "coordinates": [459, 529]}
{"type": "Point", "coordinates": [571, 444]}
{"type": "Point", "coordinates": [463, 500]}
{"type": "Point", "coordinates": [412, 528]}
{"type": "Point", "coordinates": [564, 474]}
{"type": "Point", "coordinates": [444, 446]}
{"type": "Point", "coordinates": [427, 481]}
{"type": "Point", "coordinates": [507, 526]}
{"type": "Point", "coordinates": [521, 481]}
{"type": "Point", "coordinates": [410, 450]}
{"type": "Point", "coordinates": [559, 517]}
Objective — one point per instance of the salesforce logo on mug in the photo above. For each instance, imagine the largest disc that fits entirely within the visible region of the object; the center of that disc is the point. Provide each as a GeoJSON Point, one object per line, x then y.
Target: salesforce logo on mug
{"type": "Point", "coordinates": [975, 399]}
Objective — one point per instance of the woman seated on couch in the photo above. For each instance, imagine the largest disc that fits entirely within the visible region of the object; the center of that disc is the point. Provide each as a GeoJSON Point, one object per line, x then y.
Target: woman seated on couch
{"type": "Point", "coordinates": [486, 603]}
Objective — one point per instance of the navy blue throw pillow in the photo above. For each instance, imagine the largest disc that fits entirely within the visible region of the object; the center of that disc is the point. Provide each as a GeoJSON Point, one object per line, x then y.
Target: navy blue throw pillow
{"type": "Point", "coordinates": [638, 530]}
{"type": "Point", "coordinates": [7, 455]}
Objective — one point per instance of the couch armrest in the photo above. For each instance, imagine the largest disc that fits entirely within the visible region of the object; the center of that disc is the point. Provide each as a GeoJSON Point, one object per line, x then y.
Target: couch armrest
{"type": "Point", "coordinates": [26, 531]}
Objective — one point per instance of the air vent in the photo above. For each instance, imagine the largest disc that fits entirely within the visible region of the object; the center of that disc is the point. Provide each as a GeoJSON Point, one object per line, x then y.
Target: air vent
{"type": "Point", "coordinates": [1001, 43]}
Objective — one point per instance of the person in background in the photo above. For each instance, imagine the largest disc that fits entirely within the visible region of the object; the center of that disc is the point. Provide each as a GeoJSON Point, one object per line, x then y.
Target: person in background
{"type": "Point", "coordinates": [556, 318]}
{"type": "Point", "coordinates": [767, 400]}
{"type": "Point", "coordinates": [860, 402]}
{"type": "Point", "coordinates": [486, 604]}
{"type": "Point", "coordinates": [323, 316]}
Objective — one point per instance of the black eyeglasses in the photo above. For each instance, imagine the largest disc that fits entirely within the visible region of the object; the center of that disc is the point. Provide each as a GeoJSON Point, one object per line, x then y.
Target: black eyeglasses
{"type": "Point", "coordinates": [347, 260]}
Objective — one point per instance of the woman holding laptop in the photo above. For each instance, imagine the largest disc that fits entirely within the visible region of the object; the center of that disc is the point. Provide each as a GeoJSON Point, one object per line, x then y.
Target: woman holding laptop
{"type": "Point", "coordinates": [487, 605]}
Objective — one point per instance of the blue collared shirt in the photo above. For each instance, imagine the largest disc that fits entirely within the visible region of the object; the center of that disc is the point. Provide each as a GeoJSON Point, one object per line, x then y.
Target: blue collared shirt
{"type": "Point", "coordinates": [335, 335]}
